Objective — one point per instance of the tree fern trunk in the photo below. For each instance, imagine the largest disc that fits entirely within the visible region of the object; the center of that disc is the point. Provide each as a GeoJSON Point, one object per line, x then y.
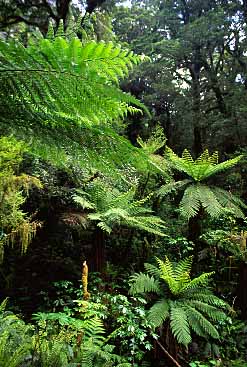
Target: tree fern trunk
{"type": "Point", "coordinates": [242, 290]}
{"type": "Point", "coordinates": [99, 250]}
{"type": "Point", "coordinates": [194, 233]}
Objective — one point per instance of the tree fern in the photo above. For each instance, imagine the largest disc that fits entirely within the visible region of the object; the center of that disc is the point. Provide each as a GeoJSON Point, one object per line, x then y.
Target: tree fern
{"type": "Point", "coordinates": [201, 168]}
{"type": "Point", "coordinates": [113, 207]}
{"type": "Point", "coordinates": [214, 201]}
{"type": "Point", "coordinates": [186, 303]}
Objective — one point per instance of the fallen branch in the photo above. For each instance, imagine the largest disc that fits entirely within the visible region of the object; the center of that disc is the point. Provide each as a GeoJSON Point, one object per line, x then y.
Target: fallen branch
{"type": "Point", "coordinates": [168, 354]}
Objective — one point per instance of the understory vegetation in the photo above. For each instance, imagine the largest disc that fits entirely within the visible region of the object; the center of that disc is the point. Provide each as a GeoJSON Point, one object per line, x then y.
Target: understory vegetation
{"type": "Point", "coordinates": [123, 179]}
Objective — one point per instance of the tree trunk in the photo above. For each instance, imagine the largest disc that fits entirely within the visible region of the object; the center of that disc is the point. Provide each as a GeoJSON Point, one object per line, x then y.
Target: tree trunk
{"type": "Point", "coordinates": [194, 232]}
{"type": "Point", "coordinates": [62, 11]}
{"type": "Point", "coordinates": [195, 70]}
{"type": "Point", "coordinates": [98, 258]}
{"type": "Point", "coordinates": [242, 290]}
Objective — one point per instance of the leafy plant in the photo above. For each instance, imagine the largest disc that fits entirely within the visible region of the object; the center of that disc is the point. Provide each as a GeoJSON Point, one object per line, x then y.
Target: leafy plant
{"type": "Point", "coordinates": [113, 207]}
{"type": "Point", "coordinates": [16, 226]}
{"type": "Point", "coordinates": [187, 304]}
{"type": "Point", "coordinates": [213, 200]}
{"type": "Point", "coordinates": [204, 364]}
{"type": "Point", "coordinates": [15, 339]}
{"type": "Point", "coordinates": [62, 96]}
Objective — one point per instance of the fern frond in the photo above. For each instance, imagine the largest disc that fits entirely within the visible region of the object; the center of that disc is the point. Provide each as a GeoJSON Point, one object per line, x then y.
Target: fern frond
{"type": "Point", "coordinates": [230, 202]}
{"type": "Point", "coordinates": [3, 304]}
{"type": "Point", "coordinates": [9, 356]}
{"type": "Point", "coordinates": [187, 157]}
{"type": "Point", "coordinates": [209, 201]}
{"type": "Point", "coordinates": [195, 325]}
{"type": "Point", "coordinates": [159, 312]}
{"type": "Point", "coordinates": [120, 208]}
{"type": "Point", "coordinates": [38, 71]}
{"type": "Point", "coordinates": [202, 168]}
{"type": "Point", "coordinates": [183, 266]}
{"type": "Point", "coordinates": [94, 330]}
{"type": "Point", "coordinates": [62, 97]}
{"type": "Point", "coordinates": [152, 270]}
{"type": "Point", "coordinates": [172, 186]}
{"type": "Point", "coordinates": [190, 204]}
{"type": "Point", "coordinates": [156, 141]}
{"type": "Point", "coordinates": [179, 325]}
{"type": "Point", "coordinates": [214, 169]}
{"type": "Point", "coordinates": [205, 325]}
{"type": "Point", "coordinates": [212, 312]}
{"type": "Point", "coordinates": [143, 283]}
{"type": "Point", "coordinates": [82, 201]}
{"type": "Point", "coordinates": [201, 280]}
{"type": "Point", "coordinates": [206, 296]}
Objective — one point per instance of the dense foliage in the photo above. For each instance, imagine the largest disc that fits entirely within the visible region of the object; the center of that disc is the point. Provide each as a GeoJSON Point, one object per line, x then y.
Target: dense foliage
{"type": "Point", "coordinates": [123, 183]}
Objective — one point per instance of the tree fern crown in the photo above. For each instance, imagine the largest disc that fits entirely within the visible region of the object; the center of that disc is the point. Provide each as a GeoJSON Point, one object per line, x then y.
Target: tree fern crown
{"type": "Point", "coordinates": [187, 304]}
{"type": "Point", "coordinates": [197, 195]}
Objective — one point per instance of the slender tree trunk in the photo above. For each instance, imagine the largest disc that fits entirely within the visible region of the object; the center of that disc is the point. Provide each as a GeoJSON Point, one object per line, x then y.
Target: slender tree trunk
{"type": "Point", "coordinates": [242, 290]}
{"type": "Point", "coordinates": [194, 232]}
{"type": "Point", "coordinates": [99, 250]}
{"type": "Point", "coordinates": [195, 70]}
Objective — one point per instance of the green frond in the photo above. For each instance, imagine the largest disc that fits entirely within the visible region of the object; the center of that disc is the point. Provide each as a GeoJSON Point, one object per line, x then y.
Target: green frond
{"type": "Point", "coordinates": [206, 296]}
{"type": "Point", "coordinates": [187, 304]}
{"type": "Point", "coordinates": [172, 186]}
{"type": "Point", "coordinates": [89, 72]}
{"type": "Point", "coordinates": [182, 165]}
{"type": "Point", "coordinates": [62, 97]}
{"type": "Point", "coordinates": [52, 353]}
{"type": "Point", "coordinates": [216, 168]}
{"type": "Point", "coordinates": [159, 312]}
{"type": "Point", "coordinates": [230, 202]}
{"type": "Point", "coordinates": [190, 204]}
{"type": "Point", "coordinates": [165, 267]}
{"type": "Point", "coordinates": [179, 325]}
{"type": "Point", "coordinates": [187, 157]}
{"type": "Point", "coordinates": [203, 167]}
{"type": "Point", "coordinates": [94, 330]}
{"type": "Point", "coordinates": [168, 275]}
{"type": "Point", "coordinates": [205, 325]}
{"type": "Point", "coordinates": [82, 201]}
{"type": "Point", "coordinates": [182, 273]}
{"type": "Point", "coordinates": [3, 305]}
{"type": "Point", "coordinates": [9, 356]}
{"type": "Point", "coordinates": [195, 324]}
{"type": "Point", "coordinates": [152, 270]}
{"type": "Point", "coordinates": [156, 141]}
{"type": "Point", "coordinates": [209, 201]}
{"type": "Point", "coordinates": [143, 283]}
{"type": "Point", "coordinates": [183, 266]}
{"type": "Point", "coordinates": [201, 280]}
{"type": "Point", "coordinates": [149, 223]}
{"type": "Point", "coordinates": [113, 207]}
{"type": "Point", "coordinates": [212, 312]}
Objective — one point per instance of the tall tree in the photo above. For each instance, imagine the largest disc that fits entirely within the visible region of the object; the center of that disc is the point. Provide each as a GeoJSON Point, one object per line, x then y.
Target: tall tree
{"type": "Point", "coordinates": [38, 13]}
{"type": "Point", "coordinates": [196, 86]}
